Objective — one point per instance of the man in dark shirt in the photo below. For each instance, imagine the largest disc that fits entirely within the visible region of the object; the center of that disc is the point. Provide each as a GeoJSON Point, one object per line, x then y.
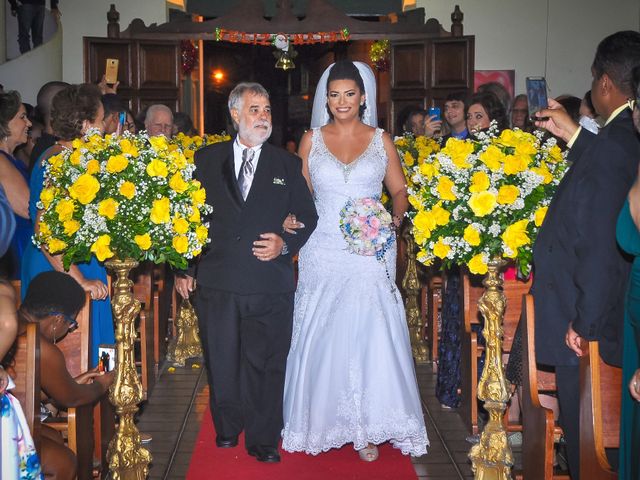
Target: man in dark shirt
{"type": "Point", "coordinates": [30, 15]}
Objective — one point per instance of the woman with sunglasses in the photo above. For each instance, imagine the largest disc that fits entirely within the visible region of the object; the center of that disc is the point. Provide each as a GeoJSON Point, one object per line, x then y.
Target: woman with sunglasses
{"type": "Point", "coordinates": [53, 300]}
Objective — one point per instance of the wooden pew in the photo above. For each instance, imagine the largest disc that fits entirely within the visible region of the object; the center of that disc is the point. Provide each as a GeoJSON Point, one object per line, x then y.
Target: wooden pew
{"type": "Point", "coordinates": [471, 291]}
{"type": "Point", "coordinates": [25, 372]}
{"type": "Point", "coordinates": [538, 425]}
{"type": "Point", "coordinates": [600, 403]}
{"type": "Point", "coordinates": [431, 307]}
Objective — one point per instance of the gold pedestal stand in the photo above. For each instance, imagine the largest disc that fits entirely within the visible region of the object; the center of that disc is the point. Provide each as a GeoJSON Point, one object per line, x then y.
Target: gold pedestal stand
{"type": "Point", "coordinates": [128, 460]}
{"type": "Point", "coordinates": [492, 458]}
{"type": "Point", "coordinates": [411, 286]}
{"type": "Point", "coordinates": [187, 342]}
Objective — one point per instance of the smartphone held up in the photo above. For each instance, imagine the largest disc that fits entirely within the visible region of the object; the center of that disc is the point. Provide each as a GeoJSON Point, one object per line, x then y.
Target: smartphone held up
{"type": "Point", "coordinates": [536, 96]}
{"type": "Point", "coordinates": [111, 71]}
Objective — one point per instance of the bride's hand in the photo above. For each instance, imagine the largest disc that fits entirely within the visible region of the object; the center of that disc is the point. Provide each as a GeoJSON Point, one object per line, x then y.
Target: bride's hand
{"type": "Point", "coordinates": [291, 224]}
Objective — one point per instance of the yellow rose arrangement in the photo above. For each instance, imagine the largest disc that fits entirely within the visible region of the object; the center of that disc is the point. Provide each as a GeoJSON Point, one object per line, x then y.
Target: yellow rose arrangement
{"type": "Point", "coordinates": [414, 152]}
{"type": "Point", "coordinates": [129, 196]}
{"type": "Point", "coordinates": [483, 198]}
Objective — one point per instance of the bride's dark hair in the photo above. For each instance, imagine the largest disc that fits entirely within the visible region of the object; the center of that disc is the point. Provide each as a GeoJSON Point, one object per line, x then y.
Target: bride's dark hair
{"type": "Point", "coordinates": [346, 70]}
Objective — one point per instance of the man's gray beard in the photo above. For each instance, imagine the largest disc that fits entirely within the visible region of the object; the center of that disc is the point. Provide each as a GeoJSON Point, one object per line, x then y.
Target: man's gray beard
{"type": "Point", "coordinates": [250, 134]}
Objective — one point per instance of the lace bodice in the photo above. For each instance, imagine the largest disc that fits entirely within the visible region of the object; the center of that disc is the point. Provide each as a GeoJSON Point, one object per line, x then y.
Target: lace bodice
{"type": "Point", "coordinates": [334, 182]}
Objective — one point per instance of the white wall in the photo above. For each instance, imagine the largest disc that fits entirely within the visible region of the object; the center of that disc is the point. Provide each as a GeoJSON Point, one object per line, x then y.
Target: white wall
{"type": "Point", "coordinates": [81, 20]}
{"type": "Point", "coordinates": [523, 35]}
{"type": "Point", "coordinates": [30, 71]}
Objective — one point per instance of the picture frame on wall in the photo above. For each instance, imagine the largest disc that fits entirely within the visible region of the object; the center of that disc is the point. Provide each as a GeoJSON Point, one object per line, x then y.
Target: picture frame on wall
{"type": "Point", "coordinates": [507, 78]}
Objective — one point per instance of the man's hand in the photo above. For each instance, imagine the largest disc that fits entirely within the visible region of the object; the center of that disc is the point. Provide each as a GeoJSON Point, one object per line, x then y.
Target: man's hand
{"type": "Point", "coordinates": [558, 122]}
{"type": "Point", "coordinates": [269, 247]}
{"type": "Point", "coordinates": [574, 341]}
{"type": "Point", "coordinates": [291, 224]}
{"type": "Point", "coordinates": [432, 126]}
{"type": "Point", "coordinates": [185, 285]}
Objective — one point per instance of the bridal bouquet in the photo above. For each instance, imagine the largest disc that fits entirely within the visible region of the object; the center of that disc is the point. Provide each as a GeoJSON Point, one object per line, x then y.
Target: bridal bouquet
{"type": "Point", "coordinates": [483, 198]}
{"type": "Point", "coordinates": [130, 196]}
{"type": "Point", "coordinates": [367, 227]}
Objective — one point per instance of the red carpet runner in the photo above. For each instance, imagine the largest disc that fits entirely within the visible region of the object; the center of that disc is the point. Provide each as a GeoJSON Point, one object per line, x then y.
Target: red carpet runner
{"type": "Point", "coordinates": [209, 462]}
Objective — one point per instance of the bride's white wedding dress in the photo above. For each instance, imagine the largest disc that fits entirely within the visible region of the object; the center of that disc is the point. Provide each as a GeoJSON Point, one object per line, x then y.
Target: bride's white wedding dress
{"type": "Point", "coordinates": [350, 376]}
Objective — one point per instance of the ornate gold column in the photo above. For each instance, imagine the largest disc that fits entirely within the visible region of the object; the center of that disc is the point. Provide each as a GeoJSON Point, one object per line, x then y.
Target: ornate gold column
{"type": "Point", "coordinates": [128, 460]}
{"type": "Point", "coordinates": [411, 286]}
{"type": "Point", "coordinates": [187, 341]}
{"type": "Point", "coordinates": [492, 458]}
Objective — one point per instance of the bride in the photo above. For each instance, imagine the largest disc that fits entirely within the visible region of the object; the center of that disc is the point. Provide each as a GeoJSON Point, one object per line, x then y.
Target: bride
{"type": "Point", "coordinates": [350, 375]}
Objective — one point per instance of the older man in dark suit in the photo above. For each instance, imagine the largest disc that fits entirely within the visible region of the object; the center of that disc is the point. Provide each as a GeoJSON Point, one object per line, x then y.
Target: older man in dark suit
{"type": "Point", "coordinates": [580, 273]}
{"type": "Point", "coordinates": [245, 281]}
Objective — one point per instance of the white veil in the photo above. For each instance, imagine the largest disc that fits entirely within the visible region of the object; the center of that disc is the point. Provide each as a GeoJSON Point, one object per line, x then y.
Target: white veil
{"type": "Point", "coordinates": [320, 115]}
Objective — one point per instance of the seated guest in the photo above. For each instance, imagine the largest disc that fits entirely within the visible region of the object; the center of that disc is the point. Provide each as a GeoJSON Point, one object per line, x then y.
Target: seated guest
{"type": "Point", "coordinates": [182, 123]}
{"type": "Point", "coordinates": [520, 113]}
{"type": "Point", "coordinates": [75, 110]}
{"type": "Point", "coordinates": [14, 176]}
{"type": "Point", "coordinates": [455, 117]}
{"type": "Point", "coordinates": [415, 122]}
{"type": "Point", "coordinates": [159, 120]}
{"type": "Point", "coordinates": [53, 300]}
{"type": "Point", "coordinates": [483, 108]}
{"type": "Point", "coordinates": [501, 93]}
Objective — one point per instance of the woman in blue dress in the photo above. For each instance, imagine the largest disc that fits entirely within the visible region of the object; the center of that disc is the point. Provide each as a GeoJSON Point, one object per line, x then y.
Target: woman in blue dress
{"type": "Point", "coordinates": [14, 177]}
{"type": "Point", "coordinates": [629, 240]}
{"type": "Point", "coordinates": [74, 111]}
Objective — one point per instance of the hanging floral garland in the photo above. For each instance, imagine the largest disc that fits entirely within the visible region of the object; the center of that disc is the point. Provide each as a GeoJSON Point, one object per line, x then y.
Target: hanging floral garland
{"type": "Point", "coordinates": [188, 56]}
{"type": "Point", "coordinates": [266, 39]}
{"type": "Point", "coordinates": [380, 54]}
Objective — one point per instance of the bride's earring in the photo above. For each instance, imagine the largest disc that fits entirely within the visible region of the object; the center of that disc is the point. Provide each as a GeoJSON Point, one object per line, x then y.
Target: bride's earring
{"type": "Point", "coordinates": [54, 334]}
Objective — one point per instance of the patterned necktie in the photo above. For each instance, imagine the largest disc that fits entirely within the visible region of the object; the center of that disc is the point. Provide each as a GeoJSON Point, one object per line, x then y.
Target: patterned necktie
{"type": "Point", "coordinates": [246, 172]}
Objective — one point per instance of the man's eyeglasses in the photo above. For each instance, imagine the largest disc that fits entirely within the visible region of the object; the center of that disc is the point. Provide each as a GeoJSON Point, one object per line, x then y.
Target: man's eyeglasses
{"type": "Point", "coordinates": [67, 318]}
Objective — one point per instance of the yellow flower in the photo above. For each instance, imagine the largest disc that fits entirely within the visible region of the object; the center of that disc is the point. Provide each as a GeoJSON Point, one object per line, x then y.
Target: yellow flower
{"type": "Point", "coordinates": [127, 190]}
{"type": "Point", "coordinates": [188, 154]}
{"type": "Point", "coordinates": [93, 166]}
{"type": "Point", "coordinates": [515, 236]}
{"type": "Point", "coordinates": [128, 148]}
{"type": "Point", "coordinates": [71, 227]}
{"type": "Point", "coordinates": [180, 225]}
{"type": "Point", "coordinates": [157, 168]}
{"type": "Point", "coordinates": [445, 188]}
{"type": "Point", "coordinates": [56, 245]}
{"type": "Point", "coordinates": [44, 229]}
{"type": "Point", "coordinates": [75, 157]}
{"type": "Point", "coordinates": [117, 163]}
{"type": "Point", "coordinates": [408, 159]}
{"type": "Point", "coordinates": [514, 164]}
{"type": "Point", "coordinates": [179, 159]}
{"type": "Point", "coordinates": [202, 233]}
{"type": "Point", "coordinates": [101, 248]}
{"type": "Point", "coordinates": [555, 154]}
{"type": "Point", "coordinates": [160, 211]}
{"type": "Point", "coordinates": [477, 265]}
{"type": "Point", "coordinates": [414, 201]}
{"type": "Point", "coordinates": [65, 209]}
{"type": "Point", "coordinates": [429, 170]}
{"type": "Point", "coordinates": [440, 215]}
{"type": "Point", "coordinates": [84, 189]}
{"type": "Point", "coordinates": [539, 216]}
{"type": "Point", "coordinates": [199, 197]}
{"type": "Point", "coordinates": [56, 162]}
{"type": "Point", "coordinates": [177, 183]}
{"type": "Point", "coordinates": [195, 215]}
{"type": "Point", "coordinates": [159, 143]}
{"type": "Point", "coordinates": [143, 241]}
{"type": "Point", "coordinates": [508, 194]}
{"type": "Point", "coordinates": [472, 236]}
{"type": "Point", "coordinates": [482, 203]}
{"type": "Point", "coordinates": [108, 208]}
{"type": "Point", "coordinates": [441, 250]}
{"type": "Point", "coordinates": [492, 157]}
{"type": "Point", "coordinates": [525, 148]}
{"type": "Point", "coordinates": [508, 138]}
{"type": "Point", "coordinates": [425, 222]}
{"type": "Point", "coordinates": [458, 150]}
{"type": "Point", "coordinates": [544, 172]}
{"type": "Point", "coordinates": [46, 196]}
{"type": "Point", "coordinates": [180, 243]}
{"type": "Point", "coordinates": [479, 182]}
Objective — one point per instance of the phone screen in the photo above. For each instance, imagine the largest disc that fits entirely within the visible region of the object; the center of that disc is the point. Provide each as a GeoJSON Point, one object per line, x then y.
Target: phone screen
{"type": "Point", "coordinates": [434, 111]}
{"type": "Point", "coordinates": [536, 95]}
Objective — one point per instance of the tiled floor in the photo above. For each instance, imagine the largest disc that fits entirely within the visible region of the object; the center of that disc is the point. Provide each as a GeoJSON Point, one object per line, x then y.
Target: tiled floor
{"type": "Point", "coordinates": [172, 417]}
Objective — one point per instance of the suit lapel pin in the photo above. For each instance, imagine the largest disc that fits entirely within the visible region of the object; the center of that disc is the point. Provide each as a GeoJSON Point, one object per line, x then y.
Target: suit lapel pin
{"type": "Point", "coordinates": [278, 181]}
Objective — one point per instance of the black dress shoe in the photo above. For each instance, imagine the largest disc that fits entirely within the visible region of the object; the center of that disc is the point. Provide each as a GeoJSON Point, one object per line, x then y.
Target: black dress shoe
{"type": "Point", "coordinates": [226, 442]}
{"type": "Point", "coordinates": [264, 453]}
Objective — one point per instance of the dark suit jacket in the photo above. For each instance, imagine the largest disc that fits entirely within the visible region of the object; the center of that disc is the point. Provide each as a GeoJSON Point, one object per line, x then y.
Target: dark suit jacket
{"type": "Point", "coordinates": [580, 274]}
{"type": "Point", "coordinates": [278, 188]}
